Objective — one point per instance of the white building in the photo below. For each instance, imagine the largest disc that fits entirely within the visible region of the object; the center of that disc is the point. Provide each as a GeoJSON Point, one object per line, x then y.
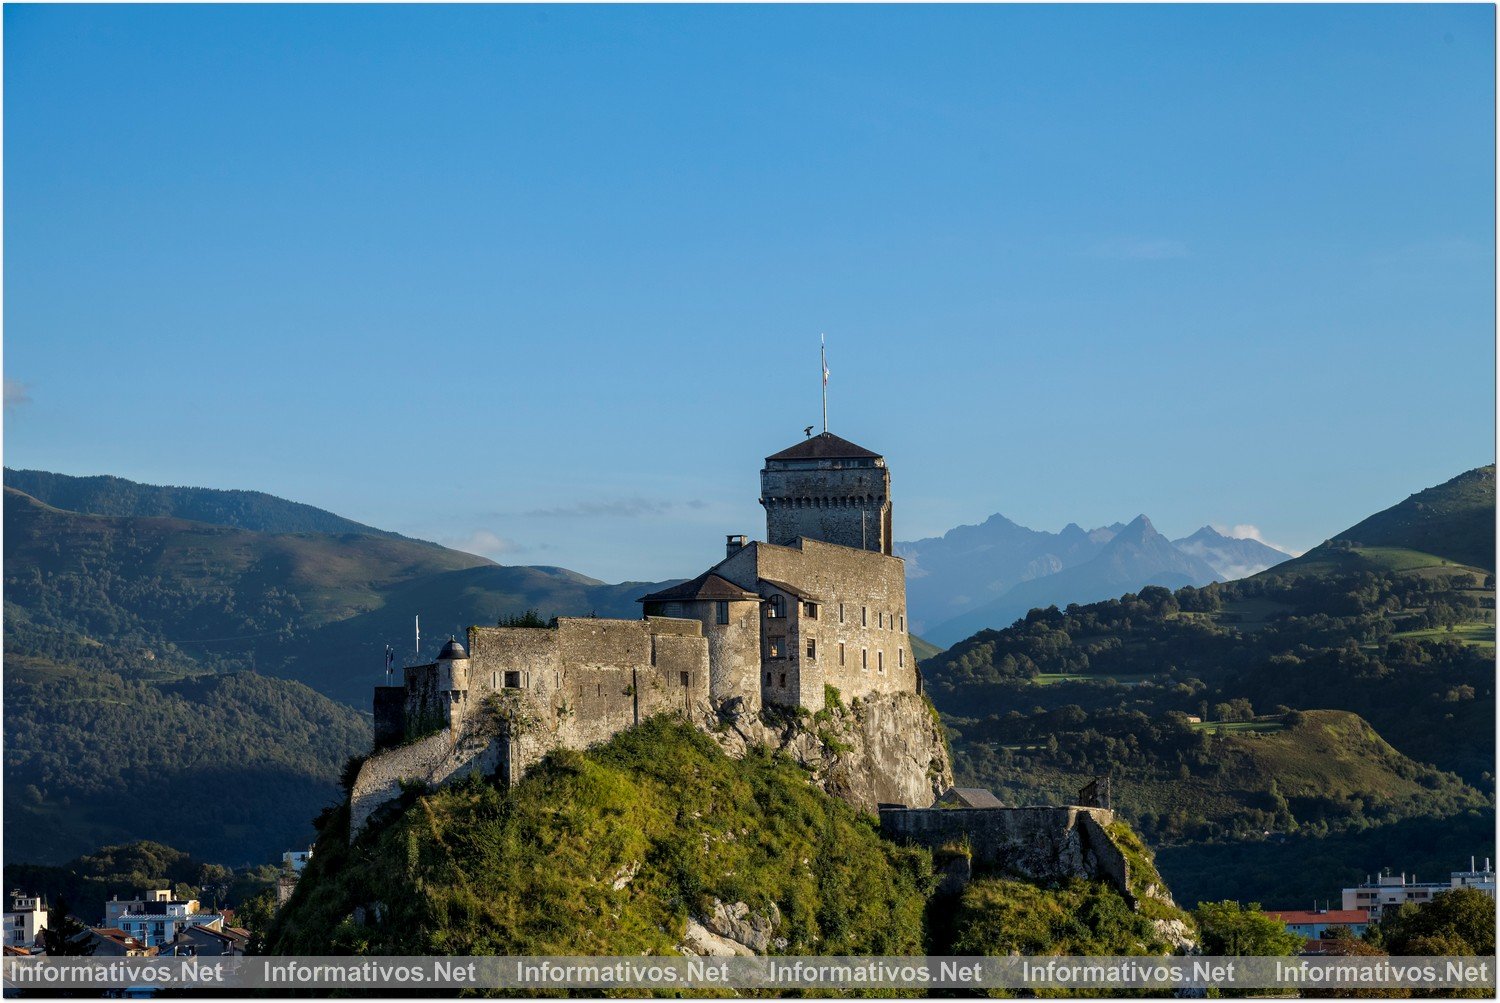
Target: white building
{"type": "Point", "coordinates": [158, 918]}
{"type": "Point", "coordinates": [1393, 890]}
{"type": "Point", "coordinates": [24, 920]}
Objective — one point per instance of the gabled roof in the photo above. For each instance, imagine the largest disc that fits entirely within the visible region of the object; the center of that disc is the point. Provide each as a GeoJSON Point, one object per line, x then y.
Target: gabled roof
{"type": "Point", "coordinates": [971, 797]}
{"type": "Point", "coordinates": [791, 590]}
{"type": "Point", "coordinates": [706, 586]}
{"type": "Point", "coordinates": [824, 446]}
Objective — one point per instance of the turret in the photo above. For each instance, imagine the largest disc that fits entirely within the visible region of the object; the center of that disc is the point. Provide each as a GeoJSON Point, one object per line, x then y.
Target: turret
{"type": "Point", "coordinates": [453, 680]}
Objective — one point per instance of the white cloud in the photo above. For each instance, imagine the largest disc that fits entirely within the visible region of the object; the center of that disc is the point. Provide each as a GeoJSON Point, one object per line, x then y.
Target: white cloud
{"type": "Point", "coordinates": [485, 544]}
{"type": "Point", "coordinates": [16, 393]}
{"type": "Point", "coordinates": [1247, 531]}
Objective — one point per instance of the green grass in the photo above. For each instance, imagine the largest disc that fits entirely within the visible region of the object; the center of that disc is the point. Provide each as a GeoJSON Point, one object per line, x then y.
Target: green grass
{"type": "Point", "coordinates": [1231, 727]}
{"type": "Point", "coordinates": [474, 870]}
{"type": "Point", "coordinates": [922, 649]}
{"type": "Point", "coordinates": [1050, 678]}
{"type": "Point", "coordinates": [1477, 634]}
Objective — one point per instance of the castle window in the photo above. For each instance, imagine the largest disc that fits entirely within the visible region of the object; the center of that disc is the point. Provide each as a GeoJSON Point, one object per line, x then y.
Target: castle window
{"type": "Point", "coordinates": [879, 661]}
{"type": "Point", "coordinates": [903, 623]}
{"type": "Point", "coordinates": [783, 680]}
{"type": "Point", "coordinates": [841, 652]}
{"type": "Point", "coordinates": [880, 619]}
{"type": "Point", "coordinates": [841, 612]}
{"type": "Point", "coordinates": [684, 678]}
{"type": "Point", "coordinates": [512, 680]}
{"type": "Point", "coordinates": [768, 679]}
{"type": "Point", "coordinates": [864, 616]}
{"type": "Point", "coordinates": [901, 658]}
{"type": "Point", "coordinates": [721, 612]}
{"type": "Point", "coordinates": [810, 610]}
{"type": "Point", "coordinates": [773, 647]}
{"type": "Point", "coordinates": [494, 680]}
{"type": "Point", "coordinates": [773, 608]}
{"type": "Point", "coordinates": [864, 659]}
{"type": "Point", "coordinates": [812, 648]}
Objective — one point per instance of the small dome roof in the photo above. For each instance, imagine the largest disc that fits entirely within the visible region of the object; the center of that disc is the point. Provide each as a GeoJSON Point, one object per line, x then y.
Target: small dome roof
{"type": "Point", "coordinates": [452, 650]}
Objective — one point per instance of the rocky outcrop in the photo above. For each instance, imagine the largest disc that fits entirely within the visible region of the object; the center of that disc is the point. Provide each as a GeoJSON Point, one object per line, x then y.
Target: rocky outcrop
{"type": "Point", "coordinates": [733, 929]}
{"type": "Point", "coordinates": [883, 748]}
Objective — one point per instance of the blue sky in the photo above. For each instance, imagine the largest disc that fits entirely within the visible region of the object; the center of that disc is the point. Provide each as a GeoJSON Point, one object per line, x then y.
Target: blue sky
{"type": "Point", "coordinates": [546, 283]}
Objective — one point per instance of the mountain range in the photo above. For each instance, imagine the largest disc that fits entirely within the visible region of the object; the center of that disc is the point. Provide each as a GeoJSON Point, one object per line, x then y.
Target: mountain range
{"type": "Point", "coordinates": [989, 575]}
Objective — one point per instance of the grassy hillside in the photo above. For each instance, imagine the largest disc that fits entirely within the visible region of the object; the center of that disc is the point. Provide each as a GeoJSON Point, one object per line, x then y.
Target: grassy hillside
{"type": "Point", "coordinates": [1453, 522]}
{"type": "Point", "coordinates": [612, 851]}
{"type": "Point", "coordinates": [187, 596]}
{"type": "Point", "coordinates": [253, 510]}
{"type": "Point", "coordinates": [231, 768]}
{"type": "Point", "coordinates": [659, 812]}
{"type": "Point", "coordinates": [1323, 770]}
{"type": "Point", "coordinates": [1301, 674]}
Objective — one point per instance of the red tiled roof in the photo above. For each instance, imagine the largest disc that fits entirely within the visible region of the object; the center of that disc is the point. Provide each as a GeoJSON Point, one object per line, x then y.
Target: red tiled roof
{"type": "Point", "coordinates": [1333, 916]}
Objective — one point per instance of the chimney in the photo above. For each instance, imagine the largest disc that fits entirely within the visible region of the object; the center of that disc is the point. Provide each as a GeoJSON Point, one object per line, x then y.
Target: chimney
{"type": "Point", "coordinates": [734, 543]}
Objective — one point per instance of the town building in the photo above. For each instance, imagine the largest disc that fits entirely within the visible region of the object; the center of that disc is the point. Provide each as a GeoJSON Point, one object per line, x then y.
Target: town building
{"type": "Point", "coordinates": [1315, 924]}
{"type": "Point", "coordinates": [112, 942]}
{"type": "Point", "coordinates": [1388, 891]}
{"type": "Point", "coordinates": [24, 920]}
{"type": "Point", "coordinates": [158, 918]}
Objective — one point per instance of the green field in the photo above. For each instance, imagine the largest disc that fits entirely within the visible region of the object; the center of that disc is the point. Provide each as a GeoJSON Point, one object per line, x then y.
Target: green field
{"type": "Point", "coordinates": [1479, 634]}
{"type": "Point", "coordinates": [1048, 678]}
{"type": "Point", "coordinates": [1230, 727]}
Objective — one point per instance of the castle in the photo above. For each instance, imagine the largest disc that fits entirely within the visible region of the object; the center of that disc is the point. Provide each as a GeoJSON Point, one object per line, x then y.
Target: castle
{"type": "Point", "coordinates": [820, 603]}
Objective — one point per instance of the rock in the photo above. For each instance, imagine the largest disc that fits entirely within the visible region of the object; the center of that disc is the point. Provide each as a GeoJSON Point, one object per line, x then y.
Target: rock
{"type": "Point", "coordinates": [625, 875]}
{"type": "Point", "coordinates": [1178, 934]}
{"type": "Point", "coordinates": [699, 940]}
{"type": "Point", "coordinates": [736, 922]}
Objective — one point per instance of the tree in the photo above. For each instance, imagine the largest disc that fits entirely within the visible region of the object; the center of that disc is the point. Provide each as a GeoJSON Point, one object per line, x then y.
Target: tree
{"type": "Point", "coordinates": [1457, 922]}
{"type": "Point", "coordinates": [64, 934]}
{"type": "Point", "coordinates": [1231, 929]}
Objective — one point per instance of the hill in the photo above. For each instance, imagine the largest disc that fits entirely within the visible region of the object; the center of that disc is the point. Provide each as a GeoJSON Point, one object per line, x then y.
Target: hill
{"type": "Point", "coordinates": [1453, 522]}
{"type": "Point", "coordinates": [130, 871]}
{"type": "Point", "coordinates": [253, 510]}
{"type": "Point", "coordinates": [188, 596]}
{"type": "Point", "coordinates": [1134, 557]}
{"type": "Point", "coordinates": [229, 767]}
{"type": "Point", "coordinates": [1108, 688]}
{"type": "Point", "coordinates": [620, 850]}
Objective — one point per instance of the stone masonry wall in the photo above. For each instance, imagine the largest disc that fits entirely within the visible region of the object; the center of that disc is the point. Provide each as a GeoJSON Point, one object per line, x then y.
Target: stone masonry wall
{"type": "Point", "coordinates": [1039, 844]}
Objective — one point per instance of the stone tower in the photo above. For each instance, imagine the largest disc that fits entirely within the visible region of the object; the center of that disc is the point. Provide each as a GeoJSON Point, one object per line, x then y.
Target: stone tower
{"type": "Point", "coordinates": [827, 488]}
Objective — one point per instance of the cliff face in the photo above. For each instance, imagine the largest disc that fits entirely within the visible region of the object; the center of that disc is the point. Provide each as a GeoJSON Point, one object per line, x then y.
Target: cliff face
{"type": "Point", "coordinates": [880, 748]}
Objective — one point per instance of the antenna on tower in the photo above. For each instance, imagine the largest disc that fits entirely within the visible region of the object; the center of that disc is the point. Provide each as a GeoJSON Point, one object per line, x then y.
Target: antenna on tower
{"type": "Point", "coordinates": [823, 356]}
{"type": "Point", "coordinates": [419, 635]}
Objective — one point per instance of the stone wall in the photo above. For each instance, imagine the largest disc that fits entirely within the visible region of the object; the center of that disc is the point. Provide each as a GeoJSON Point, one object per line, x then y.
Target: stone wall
{"type": "Point", "coordinates": [1039, 844]}
{"type": "Point", "coordinates": [862, 609]}
{"type": "Point", "coordinates": [531, 690]}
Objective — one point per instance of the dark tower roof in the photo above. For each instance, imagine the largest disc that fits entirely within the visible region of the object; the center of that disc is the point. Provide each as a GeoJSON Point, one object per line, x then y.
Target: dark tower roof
{"type": "Point", "coordinates": [824, 446]}
{"type": "Point", "coordinates": [452, 650]}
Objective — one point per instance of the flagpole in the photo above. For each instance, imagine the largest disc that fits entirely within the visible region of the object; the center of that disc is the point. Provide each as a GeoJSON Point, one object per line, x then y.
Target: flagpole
{"type": "Point", "coordinates": [823, 357]}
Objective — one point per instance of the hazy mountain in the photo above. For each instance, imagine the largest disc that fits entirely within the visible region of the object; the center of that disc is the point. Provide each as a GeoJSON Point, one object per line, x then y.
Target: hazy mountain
{"type": "Point", "coordinates": [1133, 558]}
{"type": "Point", "coordinates": [1232, 558]}
{"type": "Point", "coordinates": [253, 510]}
{"type": "Point", "coordinates": [969, 566]}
